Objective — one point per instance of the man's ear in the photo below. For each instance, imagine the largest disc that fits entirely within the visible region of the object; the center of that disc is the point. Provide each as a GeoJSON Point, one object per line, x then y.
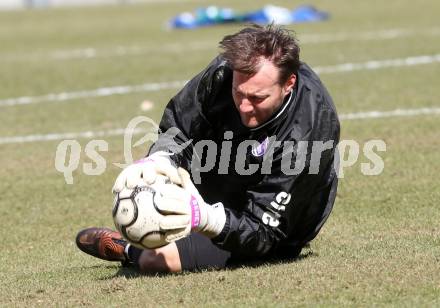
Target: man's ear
{"type": "Point", "coordinates": [290, 83]}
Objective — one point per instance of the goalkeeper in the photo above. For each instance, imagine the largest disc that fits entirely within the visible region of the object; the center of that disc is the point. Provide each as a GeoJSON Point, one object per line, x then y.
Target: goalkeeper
{"type": "Point", "coordinates": [255, 103]}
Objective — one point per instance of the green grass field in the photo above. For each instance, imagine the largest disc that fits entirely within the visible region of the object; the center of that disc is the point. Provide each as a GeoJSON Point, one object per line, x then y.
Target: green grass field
{"type": "Point", "coordinates": [381, 245]}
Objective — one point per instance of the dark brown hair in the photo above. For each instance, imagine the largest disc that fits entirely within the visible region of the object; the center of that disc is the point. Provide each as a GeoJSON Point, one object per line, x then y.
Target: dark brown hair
{"type": "Point", "coordinates": [244, 49]}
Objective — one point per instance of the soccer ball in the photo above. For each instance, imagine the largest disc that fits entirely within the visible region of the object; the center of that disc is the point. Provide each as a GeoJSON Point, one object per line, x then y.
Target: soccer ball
{"type": "Point", "coordinates": [137, 218]}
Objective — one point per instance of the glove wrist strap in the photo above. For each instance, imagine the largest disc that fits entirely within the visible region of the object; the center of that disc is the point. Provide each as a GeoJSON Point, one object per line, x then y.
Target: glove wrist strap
{"type": "Point", "coordinates": [216, 220]}
{"type": "Point", "coordinates": [195, 212]}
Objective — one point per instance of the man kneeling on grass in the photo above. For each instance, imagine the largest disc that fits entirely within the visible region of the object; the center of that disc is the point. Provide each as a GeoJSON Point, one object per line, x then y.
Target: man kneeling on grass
{"type": "Point", "coordinates": [257, 98]}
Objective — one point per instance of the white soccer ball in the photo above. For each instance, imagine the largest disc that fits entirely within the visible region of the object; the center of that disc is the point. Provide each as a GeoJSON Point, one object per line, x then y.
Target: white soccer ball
{"type": "Point", "coordinates": [137, 218]}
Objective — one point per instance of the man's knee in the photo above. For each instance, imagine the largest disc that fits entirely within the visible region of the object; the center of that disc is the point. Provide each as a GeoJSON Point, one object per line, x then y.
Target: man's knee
{"type": "Point", "coordinates": [161, 260]}
{"type": "Point", "coordinates": [151, 261]}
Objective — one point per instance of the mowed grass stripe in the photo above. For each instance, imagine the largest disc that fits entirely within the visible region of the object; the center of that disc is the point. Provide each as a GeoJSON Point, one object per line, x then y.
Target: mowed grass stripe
{"type": "Point", "coordinates": [127, 89]}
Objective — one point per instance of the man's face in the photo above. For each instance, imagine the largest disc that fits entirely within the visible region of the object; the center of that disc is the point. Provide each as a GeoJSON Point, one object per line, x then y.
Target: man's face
{"type": "Point", "coordinates": [258, 96]}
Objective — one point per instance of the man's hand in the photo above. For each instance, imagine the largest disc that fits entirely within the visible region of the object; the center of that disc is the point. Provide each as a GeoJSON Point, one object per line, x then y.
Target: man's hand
{"type": "Point", "coordinates": [146, 171]}
{"type": "Point", "coordinates": [184, 210]}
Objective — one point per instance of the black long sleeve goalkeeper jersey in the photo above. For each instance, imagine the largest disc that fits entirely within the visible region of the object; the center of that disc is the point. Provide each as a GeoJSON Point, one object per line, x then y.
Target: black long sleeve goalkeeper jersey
{"type": "Point", "coordinates": [268, 210]}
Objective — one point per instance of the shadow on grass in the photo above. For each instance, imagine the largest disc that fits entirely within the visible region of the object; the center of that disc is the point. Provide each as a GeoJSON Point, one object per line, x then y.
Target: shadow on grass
{"type": "Point", "coordinates": [133, 272]}
{"type": "Point", "coordinates": [273, 261]}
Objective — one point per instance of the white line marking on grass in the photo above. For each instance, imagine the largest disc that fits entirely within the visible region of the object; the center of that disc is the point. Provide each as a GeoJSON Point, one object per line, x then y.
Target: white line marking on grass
{"type": "Point", "coordinates": [149, 87]}
{"type": "Point", "coordinates": [386, 34]}
{"type": "Point", "coordinates": [63, 136]}
{"type": "Point", "coordinates": [133, 50]}
{"type": "Point", "coordinates": [378, 64]}
{"type": "Point", "coordinates": [121, 131]}
{"type": "Point", "coordinates": [389, 114]}
{"type": "Point", "coordinates": [100, 92]}
{"type": "Point", "coordinates": [66, 136]}
{"type": "Point", "coordinates": [93, 52]}
{"type": "Point", "coordinates": [90, 53]}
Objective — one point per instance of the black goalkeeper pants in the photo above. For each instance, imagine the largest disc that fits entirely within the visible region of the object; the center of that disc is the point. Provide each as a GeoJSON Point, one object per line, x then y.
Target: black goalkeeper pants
{"type": "Point", "coordinates": [197, 252]}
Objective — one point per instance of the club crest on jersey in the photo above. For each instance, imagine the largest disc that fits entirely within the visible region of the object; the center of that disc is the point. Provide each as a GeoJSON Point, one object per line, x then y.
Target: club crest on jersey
{"type": "Point", "coordinates": [258, 149]}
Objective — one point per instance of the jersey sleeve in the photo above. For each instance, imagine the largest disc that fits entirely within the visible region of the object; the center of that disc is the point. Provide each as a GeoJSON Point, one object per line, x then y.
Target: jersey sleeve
{"type": "Point", "coordinates": [183, 120]}
{"type": "Point", "coordinates": [176, 126]}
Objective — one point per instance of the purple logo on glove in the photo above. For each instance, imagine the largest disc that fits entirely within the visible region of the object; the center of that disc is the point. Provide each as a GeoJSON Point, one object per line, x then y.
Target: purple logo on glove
{"type": "Point", "coordinates": [144, 160]}
{"type": "Point", "coordinates": [195, 212]}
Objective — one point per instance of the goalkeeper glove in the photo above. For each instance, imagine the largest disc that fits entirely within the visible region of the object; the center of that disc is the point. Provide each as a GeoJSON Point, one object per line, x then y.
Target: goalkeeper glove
{"type": "Point", "coordinates": [146, 171]}
{"type": "Point", "coordinates": [184, 210]}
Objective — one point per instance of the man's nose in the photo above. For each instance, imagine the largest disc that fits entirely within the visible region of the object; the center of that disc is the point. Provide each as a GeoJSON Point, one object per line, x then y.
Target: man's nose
{"type": "Point", "coordinates": [246, 105]}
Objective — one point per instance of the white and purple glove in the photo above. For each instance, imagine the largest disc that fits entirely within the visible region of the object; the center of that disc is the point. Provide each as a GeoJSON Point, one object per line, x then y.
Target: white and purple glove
{"type": "Point", "coordinates": [146, 171]}
{"type": "Point", "coordinates": [184, 210]}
